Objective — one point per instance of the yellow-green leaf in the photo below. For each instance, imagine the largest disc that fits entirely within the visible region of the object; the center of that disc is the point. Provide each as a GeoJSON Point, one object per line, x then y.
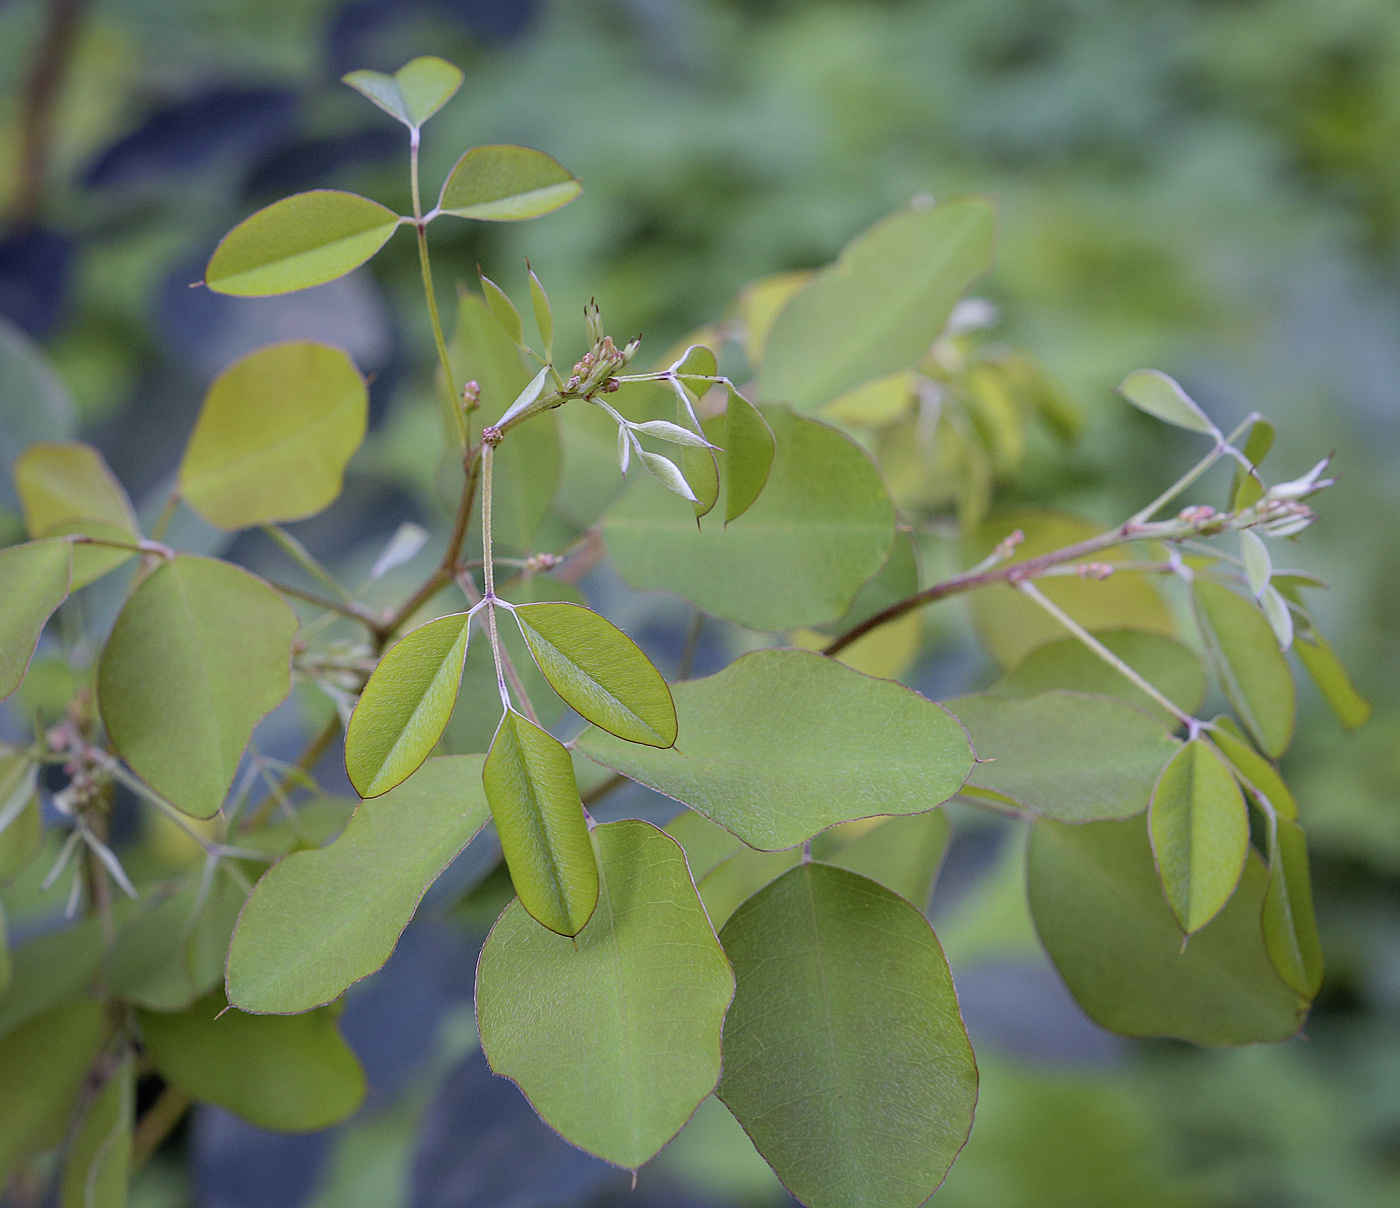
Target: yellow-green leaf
{"type": "Point", "coordinates": [1260, 774]}
{"type": "Point", "coordinates": [1321, 662]}
{"type": "Point", "coordinates": [303, 240]}
{"type": "Point", "coordinates": [749, 447]}
{"type": "Point", "coordinates": [506, 184]}
{"type": "Point", "coordinates": [1200, 834]}
{"type": "Point", "coordinates": [68, 488]}
{"type": "Point", "coordinates": [600, 671]}
{"type": "Point", "coordinates": [534, 800]}
{"type": "Point", "coordinates": [274, 436]}
{"type": "Point", "coordinates": [21, 826]}
{"type": "Point", "coordinates": [199, 654]}
{"type": "Point", "coordinates": [406, 704]}
{"type": "Point", "coordinates": [1290, 928]}
{"type": "Point", "coordinates": [98, 1161]}
{"type": "Point", "coordinates": [33, 582]}
{"type": "Point", "coordinates": [412, 94]}
{"type": "Point", "coordinates": [1152, 391]}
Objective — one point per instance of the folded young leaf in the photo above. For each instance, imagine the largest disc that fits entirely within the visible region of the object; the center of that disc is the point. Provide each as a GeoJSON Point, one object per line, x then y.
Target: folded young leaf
{"type": "Point", "coordinates": [503, 308]}
{"type": "Point", "coordinates": [544, 314]}
{"type": "Point", "coordinates": [68, 488]}
{"type": "Point", "coordinates": [1199, 828]}
{"type": "Point", "coordinates": [1321, 662]}
{"type": "Point", "coordinates": [405, 705]}
{"type": "Point", "coordinates": [645, 982]}
{"type": "Point", "coordinates": [599, 671]}
{"type": "Point", "coordinates": [96, 1166]}
{"type": "Point", "coordinates": [274, 435]}
{"type": "Point", "coordinates": [1290, 928]}
{"type": "Point", "coordinates": [782, 744]}
{"type": "Point", "coordinates": [303, 240]}
{"type": "Point", "coordinates": [284, 959]}
{"type": "Point", "coordinates": [412, 94]}
{"type": "Point", "coordinates": [668, 474]}
{"type": "Point", "coordinates": [34, 580]}
{"type": "Point", "coordinates": [506, 184]}
{"type": "Point", "coordinates": [529, 781]}
{"type": "Point", "coordinates": [1152, 391]}
{"type": "Point", "coordinates": [1248, 487]}
{"type": "Point", "coordinates": [845, 1058]}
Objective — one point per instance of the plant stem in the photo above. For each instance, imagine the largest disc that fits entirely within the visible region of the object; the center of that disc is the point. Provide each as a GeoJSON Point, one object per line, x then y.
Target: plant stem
{"type": "Point", "coordinates": [307, 760]}
{"type": "Point", "coordinates": [157, 1124]}
{"type": "Point", "coordinates": [299, 554]}
{"type": "Point", "coordinates": [167, 514]}
{"type": "Point", "coordinates": [452, 413]}
{"type": "Point", "coordinates": [50, 60]}
{"type": "Point", "coordinates": [350, 608]}
{"type": "Point", "coordinates": [1222, 446]}
{"type": "Point", "coordinates": [1030, 591]}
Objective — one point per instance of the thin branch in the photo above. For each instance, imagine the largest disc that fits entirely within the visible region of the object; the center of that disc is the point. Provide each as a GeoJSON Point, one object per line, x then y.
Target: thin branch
{"type": "Point", "coordinates": [51, 61]}
{"type": "Point", "coordinates": [349, 608]}
{"type": "Point", "coordinates": [157, 1124]}
{"type": "Point", "coordinates": [299, 554]}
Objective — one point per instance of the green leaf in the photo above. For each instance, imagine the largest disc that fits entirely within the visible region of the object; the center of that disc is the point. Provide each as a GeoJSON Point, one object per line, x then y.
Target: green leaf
{"type": "Point", "coordinates": [645, 982]}
{"type": "Point", "coordinates": [288, 1073]}
{"type": "Point", "coordinates": [535, 804]}
{"type": "Point", "coordinates": [706, 844]}
{"type": "Point", "coordinates": [527, 466]}
{"type": "Point", "coordinates": [412, 94]}
{"type": "Point", "coordinates": [600, 671]}
{"type": "Point", "coordinates": [1321, 662]}
{"type": "Point", "coordinates": [544, 314]}
{"type": "Point", "coordinates": [303, 240]}
{"type": "Point", "coordinates": [406, 704]}
{"type": "Point", "coordinates": [725, 888]}
{"type": "Point", "coordinates": [21, 826]}
{"type": "Point", "coordinates": [1248, 488]}
{"type": "Point", "coordinates": [68, 488]}
{"type": "Point", "coordinates": [1290, 928]}
{"type": "Point", "coordinates": [288, 956]}
{"type": "Point", "coordinates": [42, 1068]}
{"type": "Point", "coordinates": [668, 474]}
{"type": "Point", "coordinates": [1065, 755]}
{"type": "Point", "coordinates": [1153, 391]}
{"type": "Point", "coordinates": [33, 582]}
{"type": "Point", "coordinates": [274, 436]}
{"type": "Point", "coordinates": [50, 970]}
{"type": "Point", "coordinates": [200, 653]}
{"type": "Point", "coordinates": [1257, 564]}
{"type": "Point", "coordinates": [503, 309]}
{"type": "Point", "coordinates": [1254, 768]}
{"type": "Point", "coordinates": [1252, 671]}
{"type": "Point", "coordinates": [749, 447]}
{"type": "Point", "coordinates": [98, 1161]}
{"type": "Point", "coordinates": [1170, 666]}
{"type": "Point", "coordinates": [845, 1058]}
{"type": "Point", "coordinates": [902, 854]}
{"type": "Point", "coordinates": [798, 556]}
{"type": "Point", "coordinates": [34, 403]}
{"type": "Point", "coordinates": [877, 309]}
{"type": "Point", "coordinates": [1199, 827]}
{"type": "Point", "coordinates": [782, 744]}
{"type": "Point", "coordinates": [1101, 915]}
{"type": "Point", "coordinates": [506, 184]}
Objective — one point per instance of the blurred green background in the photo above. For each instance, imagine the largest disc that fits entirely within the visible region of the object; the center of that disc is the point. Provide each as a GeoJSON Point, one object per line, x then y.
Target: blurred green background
{"type": "Point", "coordinates": [1208, 186]}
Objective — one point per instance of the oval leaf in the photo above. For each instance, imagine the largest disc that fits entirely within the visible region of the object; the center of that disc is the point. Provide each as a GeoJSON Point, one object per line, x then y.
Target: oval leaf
{"type": "Point", "coordinates": [274, 436]}
{"type": "Point", "coordinates": [506, 184]}
{"type": "Point", "coordinates": [645, 981]}
{"type": "Point", "coordinates": [303, 240]}
{"type": "Point", "coordinates": [1153, 391]}
{"type": "Point", "coordinates": [412, 94]}
{"type": "Point", "coordinates": [749, 447]}
{"type": "Point", "coordinates": [1101, 915]}
{"type": "Point", "coordinates": [406, 704]}
{"type": "Point", "coordinates": [534, 800]}
{"type": "Point", "coordinates": [1199, 827]}
{"type": "Point", "coordinates": [288, 1073]}
{"type": "Point", "coordinates": [1290, 928]}
{"type": "Point", "coordinates": [600, 671]}
{"type": "Point", "coordinates": [1064, 755]}
{"type": "Point", "coordinates": [96, 1166]}
{"type": "Point", "coordinates": [782, 744]}
{"type": "Point", "coordinates": [199, 654]}
{"type": "Point", "coordinates": [285, 958]}
{"type": "Point", "coordinates": [877, 309]}
{"type": "Point", "coordinates": [68, 488]}
{"type": "Point", "coordinates": [845, 1058]}
{"type": "Point", "coordinates": [33, 582]}
{"type": "Point", "coordinates": [1253, 672]}
{"type": "Point", "coordinates": [798, 556]}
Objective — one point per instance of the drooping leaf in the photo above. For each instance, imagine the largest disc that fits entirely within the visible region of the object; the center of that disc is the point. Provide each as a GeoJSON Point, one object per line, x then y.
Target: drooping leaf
{"type": "Point", "coordinates": [1277, 613]}
{"type": "Point", "coordinates": [199, 654]}
{"type": "Point", "coordinates": [1172, 667]}
{"type": "Point", "coordinates": [1012, 626]}
{"type": "Point", "coordinates": [288, 1073]}
{"type": "Point", "coordinates": [412, 94]}
{"type": "Point", "coordinates": [96, 1166]}
{"type": "Point", "coordinates": [68, 488]}
{"type": "Point", "coordinates": [33, 582]}
{"type": "Point", "coordinates": [535, 804]}
{"type": "Point", "coordinates": [1252, 671]}
{"type": "Point", "coordinates": [1290, 928]}
{"type": "Point", "coordinates": [34, 403]}
{"type": "Point", "coordinates": [274, 436]}
{"type": "Point", "coordinates": [544, 314]}
{"type": "Point", "coordinates": [303, 240]}
{"type": "Point", "coordinates": [319, 921]}
{"type": "Point", "coordinates": [1065, 755]}
{"type": "Point", "coordinates": [405, 705]}
{"type": "Point", "coordinates": [42, 1068]}
{"type": "Point", "coordinates": [1152, 391]}
{"type": "Point", "coordinates": [1329, 674]}
{"type": "Point", "coordinates": [645, 981]}
{"type": "Point", "coordinates": [820, 529]}
{"type": "Point", "coordinates": [21, 826]}
{"type": "Point", "coordinates": [506, 184]}
{"type": "Point", "coordinates": [1199, 828]}
{"type": "Point", "coordinates": [600, 671]}
{"type": "Point", "coordinates": [845, 1058]}
{"type": "Point", "coordinates": [749, 447]}
{"type": "Point", "coordinates": [1258, 772]}
{"type": "Point", "coordinates": [877, 309]}
{"type": "Point", "coordinates": [1102, 917]}
{"type": "Point", "coordinates": [782, 744]}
